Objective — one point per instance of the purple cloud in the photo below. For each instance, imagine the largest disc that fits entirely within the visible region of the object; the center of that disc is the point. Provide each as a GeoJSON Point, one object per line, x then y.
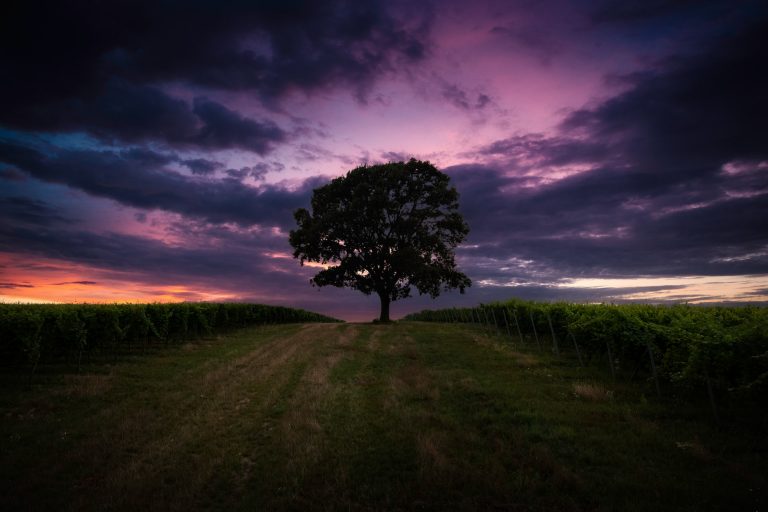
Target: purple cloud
{"type": "Point", "coordinates": [126, 177]}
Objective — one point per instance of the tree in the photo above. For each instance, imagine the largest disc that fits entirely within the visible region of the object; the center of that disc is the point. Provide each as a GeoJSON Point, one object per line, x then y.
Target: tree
{"type": "Point", "coordinates": [390, 228]}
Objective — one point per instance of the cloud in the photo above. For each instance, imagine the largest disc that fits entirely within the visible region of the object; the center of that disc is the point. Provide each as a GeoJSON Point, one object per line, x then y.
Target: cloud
{"type": "Point", "coordinates": [23, 210]}
{"type": "Point", "coordinates": [394, 156]}
{"type": "Point", "coordinates": [121, 110]}
{"type": "Point", "coordinates": [461, 99]}
{"type": "Point", "coordinates": [666, 178]}
{"type": "Point", "coordinates": [130, 113]}
{"type": "Point", "coordinates": [247, 265]}
{"type": "Point", "coordinates": [224, 129]}
{"type": "Point", "coordinates": [536, 151]}
{"type": "Point", "coordinates": [15, 285]}
{"type": "Point", "coordinates": [692, 113]}
{"type": "Point", "coordinates": [11, 174]}
{"type": "Point", "coordinates": [130, 178]}
{"type": "Point", "coordinates": [258, 172]}
{"type": "Point", "coordinates": [98, 68]}
{"type": "Point", "coordinates": [202, 166]}
{"type": "Point", "coordinates": [586, 225]}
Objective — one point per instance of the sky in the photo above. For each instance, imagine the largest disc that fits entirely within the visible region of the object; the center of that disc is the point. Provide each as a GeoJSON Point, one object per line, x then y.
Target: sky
{"type": "Point", "coordinates": [603, 151]}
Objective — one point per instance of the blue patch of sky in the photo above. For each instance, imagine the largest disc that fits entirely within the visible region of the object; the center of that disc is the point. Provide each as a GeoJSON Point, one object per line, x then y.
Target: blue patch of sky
{"type": "Point", "coordinates": [46, 141]}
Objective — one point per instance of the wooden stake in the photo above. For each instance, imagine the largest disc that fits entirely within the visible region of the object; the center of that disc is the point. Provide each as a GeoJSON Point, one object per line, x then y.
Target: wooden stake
{"type": "Point", "coordinates": [555, 348]}
{"type": "Point", "coordinates": [506, 321]}
{"type": "Point", "coordinates": [535, 335]}
{"type": "Point", "coordinates": [487, 320]}
{"type": "Point", "coordinates": [653, 369]}
{"type": "Point", "coordinates": [578, 352]}
{"type": "Point", "coordinates": [517, 324]}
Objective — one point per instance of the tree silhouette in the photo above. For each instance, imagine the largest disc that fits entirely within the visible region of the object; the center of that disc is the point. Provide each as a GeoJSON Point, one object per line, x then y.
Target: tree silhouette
{"type": "Point", "coordinates": [389, 228]}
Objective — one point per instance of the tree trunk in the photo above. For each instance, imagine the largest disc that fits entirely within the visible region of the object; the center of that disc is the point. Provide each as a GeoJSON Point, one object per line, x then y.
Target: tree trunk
{"type": "Point", "coordinates": [384, 317]}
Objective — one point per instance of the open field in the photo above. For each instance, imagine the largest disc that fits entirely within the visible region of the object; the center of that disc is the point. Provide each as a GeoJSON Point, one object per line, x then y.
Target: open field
{"type": "Point", "coordinates": [414, 416]}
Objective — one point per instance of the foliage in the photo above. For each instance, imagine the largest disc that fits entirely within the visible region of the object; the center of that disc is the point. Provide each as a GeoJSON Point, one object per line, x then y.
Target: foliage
{"type": "Point", "coordinates": [390, 228]}
{"type": "Point", "coordinates": [682, 347]}
{"type": "Point", "coordinates": [30, 333]}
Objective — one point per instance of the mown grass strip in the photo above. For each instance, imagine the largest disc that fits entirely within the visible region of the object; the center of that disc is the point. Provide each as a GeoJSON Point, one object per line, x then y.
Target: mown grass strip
{"type": "Point", "coordinates": [365, 417]}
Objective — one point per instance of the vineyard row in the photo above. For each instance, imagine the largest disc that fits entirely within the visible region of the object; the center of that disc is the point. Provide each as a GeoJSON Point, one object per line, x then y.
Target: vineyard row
{"type": "Point", "coordinates": [32, 333]}
{"type": "Point", "coordinates": [681, 348]}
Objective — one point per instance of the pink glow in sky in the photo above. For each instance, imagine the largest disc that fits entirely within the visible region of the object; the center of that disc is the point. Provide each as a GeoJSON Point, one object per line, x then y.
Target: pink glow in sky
{"type": "Point", "coordinates": [602, 151]}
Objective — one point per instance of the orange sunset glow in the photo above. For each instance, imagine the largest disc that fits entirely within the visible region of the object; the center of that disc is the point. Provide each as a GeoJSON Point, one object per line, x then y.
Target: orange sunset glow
{"type": "Point", "coordinates": [602, 153]}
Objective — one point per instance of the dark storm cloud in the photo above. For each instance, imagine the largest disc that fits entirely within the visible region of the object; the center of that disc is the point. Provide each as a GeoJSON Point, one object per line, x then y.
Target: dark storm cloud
{"type": "Point", "coordinates": [148, 157]}
{"type": "Point", "coordinates": [120, 110]}
{"type": "Point", "coordinates": [238, 174]}
{"type": "Point", "coordinates": [96, 67]}
{"type": "Point", "coordinates": [693, 114]}
{"type": "Point", "coordinates": [202, 166]}
{"type": "Point", "coordinates": [11, 174]}
{"type": "Point", "coordinates": [26, 210]}
{"type": "Point", "coordinates": [223, 128]}
{"type": "Point", "coordinates": [544, 151]}
{"type": "Point", "coordinates": [132, 113]}
{"type": "Point", "coordinates": [126, 177]}
{"type": "Point", "coordinates": [144, 156]}
{"type": "Point", "coordinates": [673, 179]}
{"type": "Point", "coordinates": [257, 172]}
{"type": "Point", "coordinates": [127, 111]}
{"type": "Point", "coordinates": [583, 225]}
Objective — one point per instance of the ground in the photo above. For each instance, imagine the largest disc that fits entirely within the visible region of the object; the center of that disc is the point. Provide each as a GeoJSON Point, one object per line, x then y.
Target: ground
{"type": "Point", "coordinates": [407, 416]}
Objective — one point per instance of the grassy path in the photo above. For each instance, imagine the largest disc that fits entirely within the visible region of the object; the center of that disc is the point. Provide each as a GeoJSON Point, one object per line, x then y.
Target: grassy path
{"type": "Point", "coordinates": [360, 417]}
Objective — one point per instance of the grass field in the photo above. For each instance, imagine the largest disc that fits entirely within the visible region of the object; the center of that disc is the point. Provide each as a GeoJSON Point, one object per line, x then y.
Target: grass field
{"type": "Point", "coordinates": [409, 416]}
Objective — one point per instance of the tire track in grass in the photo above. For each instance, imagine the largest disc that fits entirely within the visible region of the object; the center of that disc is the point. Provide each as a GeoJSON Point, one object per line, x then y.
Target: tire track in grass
{"type": "Point", "coordinates": [300, 442]}
{"type": "Point", "coordinates": [369, 457]}
{"type": "Point", "coordinates": [220, 411]}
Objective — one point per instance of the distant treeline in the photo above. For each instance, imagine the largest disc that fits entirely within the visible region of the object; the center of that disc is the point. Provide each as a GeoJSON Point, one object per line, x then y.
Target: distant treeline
{"type": "Point", "coordinates": [720, 350]}
{"type": "Point", "coordinates": [34, 333]}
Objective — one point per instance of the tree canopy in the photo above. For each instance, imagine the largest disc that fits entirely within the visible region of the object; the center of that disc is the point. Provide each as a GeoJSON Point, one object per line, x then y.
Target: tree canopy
{"type": "Point", "coordinates": [384, 229]}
